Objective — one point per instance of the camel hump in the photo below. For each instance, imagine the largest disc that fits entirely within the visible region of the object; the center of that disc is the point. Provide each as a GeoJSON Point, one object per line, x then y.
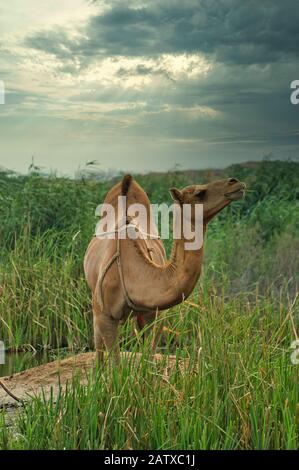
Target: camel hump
{"type": "Point", "coordinates": [125, 184]}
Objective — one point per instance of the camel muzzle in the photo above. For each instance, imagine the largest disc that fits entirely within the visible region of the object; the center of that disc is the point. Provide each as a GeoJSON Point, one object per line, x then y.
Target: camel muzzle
{"type": "Point", "coordinates": [237, 194]}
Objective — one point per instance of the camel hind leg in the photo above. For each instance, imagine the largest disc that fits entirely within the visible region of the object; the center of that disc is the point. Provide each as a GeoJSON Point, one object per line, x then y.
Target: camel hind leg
{"type": "Point", "coordinates": [144, 322]}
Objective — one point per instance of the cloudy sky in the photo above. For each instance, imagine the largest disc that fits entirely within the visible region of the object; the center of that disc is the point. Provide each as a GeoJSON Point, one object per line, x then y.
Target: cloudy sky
{"type": "Point", "coordinates": [147, 84]}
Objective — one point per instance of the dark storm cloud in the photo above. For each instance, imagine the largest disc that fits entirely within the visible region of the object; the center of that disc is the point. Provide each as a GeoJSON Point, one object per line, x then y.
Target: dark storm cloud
{"type": "Point", "coordinates": [252, 46]}
{"type": "Point", "coordinates": [233, 31]}
{"type": "Point", "coordinates": [55, 41]}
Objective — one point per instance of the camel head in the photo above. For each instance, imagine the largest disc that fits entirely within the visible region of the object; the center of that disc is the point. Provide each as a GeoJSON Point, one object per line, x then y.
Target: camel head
{"type": "Point", "coordinates": [214, 196]}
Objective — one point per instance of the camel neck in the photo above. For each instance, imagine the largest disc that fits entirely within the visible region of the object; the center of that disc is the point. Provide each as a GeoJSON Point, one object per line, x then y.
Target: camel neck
{"type": "Point", "coordinates": [184, 268]}
{"type": "Point", "coordinates": [155, 286]}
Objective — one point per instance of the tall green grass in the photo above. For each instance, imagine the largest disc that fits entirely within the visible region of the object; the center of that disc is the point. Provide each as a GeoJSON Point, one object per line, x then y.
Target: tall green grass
{"type": "Point", "coordinates": [239, 392]}
{"type": "Point", "coordinates": [238, 325]}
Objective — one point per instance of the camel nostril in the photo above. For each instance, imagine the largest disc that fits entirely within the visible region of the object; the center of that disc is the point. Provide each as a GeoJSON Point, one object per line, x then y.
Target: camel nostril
{"type": "Point", "coordinates": [233, 180]}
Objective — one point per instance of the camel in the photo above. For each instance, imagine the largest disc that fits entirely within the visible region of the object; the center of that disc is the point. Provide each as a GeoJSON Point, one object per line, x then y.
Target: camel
{"type": "Point", "coordinates": [133, 276]}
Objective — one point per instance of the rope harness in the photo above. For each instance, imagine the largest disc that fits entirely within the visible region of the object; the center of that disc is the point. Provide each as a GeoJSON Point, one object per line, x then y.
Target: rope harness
{"type": "Point", "coordinates": [117, 257]}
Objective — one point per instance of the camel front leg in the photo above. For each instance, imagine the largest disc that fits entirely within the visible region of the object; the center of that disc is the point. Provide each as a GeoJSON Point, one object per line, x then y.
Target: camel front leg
{"type": "Point", "coordinates": [105, 334]}
{"type": "Point", "coordinates": [98, 340]}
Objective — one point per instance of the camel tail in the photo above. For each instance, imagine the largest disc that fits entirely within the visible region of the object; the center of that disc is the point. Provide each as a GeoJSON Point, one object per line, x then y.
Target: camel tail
{"type": "Point", "coordinates": [125, 184]}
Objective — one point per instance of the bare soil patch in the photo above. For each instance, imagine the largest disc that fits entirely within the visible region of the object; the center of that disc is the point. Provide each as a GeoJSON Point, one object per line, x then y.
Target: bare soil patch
{"type": "Point", "coordinates": [53, 376]}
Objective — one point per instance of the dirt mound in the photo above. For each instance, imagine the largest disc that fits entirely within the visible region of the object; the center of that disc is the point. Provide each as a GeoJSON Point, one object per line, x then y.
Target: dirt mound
{"type": "Point", "coordinates": [51, 377]}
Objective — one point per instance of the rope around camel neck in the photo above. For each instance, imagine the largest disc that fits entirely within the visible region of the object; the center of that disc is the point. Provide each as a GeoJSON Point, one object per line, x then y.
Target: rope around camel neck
{"type": "Point", "coordinates": [117, 257]}
{"type": "Point", "coordinates": [125, 227]}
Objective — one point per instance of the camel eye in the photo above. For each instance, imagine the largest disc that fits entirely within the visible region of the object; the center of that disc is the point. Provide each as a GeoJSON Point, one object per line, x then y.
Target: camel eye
{"type": "Point", "coordinates": [200, 194]}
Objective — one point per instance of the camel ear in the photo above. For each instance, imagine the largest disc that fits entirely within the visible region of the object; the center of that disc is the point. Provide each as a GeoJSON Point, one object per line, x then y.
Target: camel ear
{"type": "Point", "coordinates": [176, 195]}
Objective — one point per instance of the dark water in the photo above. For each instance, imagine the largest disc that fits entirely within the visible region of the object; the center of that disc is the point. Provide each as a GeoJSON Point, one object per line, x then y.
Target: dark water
{"type": "Point", "coordinates": [16, 362]}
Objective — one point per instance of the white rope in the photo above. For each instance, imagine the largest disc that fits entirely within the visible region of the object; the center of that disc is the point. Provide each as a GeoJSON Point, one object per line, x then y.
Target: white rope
{"type": "Point", "coordinates": [125, 227]}
{"type": "Point", "coordinates": [117, 257]}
